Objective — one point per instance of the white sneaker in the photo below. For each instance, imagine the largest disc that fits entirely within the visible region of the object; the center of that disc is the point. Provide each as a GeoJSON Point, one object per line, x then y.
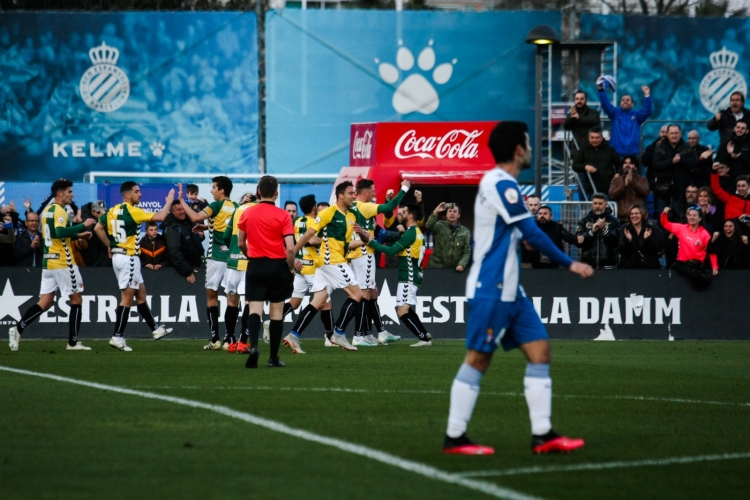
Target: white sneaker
{"type": "Point", "coordinates": [328, 343]}
{"type": "Point", "coordinates": [119, 343]}
{"type": "Point", "coordinates": [422, 343]}
{"type": "Point", "coordinates": [387, 338]}
{"type": "Point", "coordinates": [267, 331]}
{"type": "Point", "coordinates": [161, 331]}
{"type": "Point", "coordinates": [361, 341]}
{"type": "Point", "coordinates": [372, 340]}
{"type": "Point", "coordinates": [77, 347]}
{"type": "Point", "coordinates": [292, 342]}
{"type": "Point", "coordinates": [225, 346]}
{"type": "Point", "coordinates": [213, 346]}
{"type": "Point", "coordinates": [13, 338]}
{"type": "Point", "coordinates": [339, 339]}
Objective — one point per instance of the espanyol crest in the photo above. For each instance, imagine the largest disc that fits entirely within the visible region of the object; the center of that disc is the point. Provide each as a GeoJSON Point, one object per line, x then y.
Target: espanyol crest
{"type": "Point", "coordinates": [104, 87]}
{"type": "Point", "coordinates": [719, 83]}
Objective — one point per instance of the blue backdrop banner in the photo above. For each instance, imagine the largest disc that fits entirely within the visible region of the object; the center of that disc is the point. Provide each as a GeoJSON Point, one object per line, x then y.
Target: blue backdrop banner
{"type": "Point", "coordinates": [327, 69]}
{"type": "Point", "coordinates": [127, 92]}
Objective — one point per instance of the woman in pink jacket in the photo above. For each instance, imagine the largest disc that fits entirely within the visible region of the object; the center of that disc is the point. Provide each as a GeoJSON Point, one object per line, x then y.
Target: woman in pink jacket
{"type": "Point", "coordinates": [692, 239]}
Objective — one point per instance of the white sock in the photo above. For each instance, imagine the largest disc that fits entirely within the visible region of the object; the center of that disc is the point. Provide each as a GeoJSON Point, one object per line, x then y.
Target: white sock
{"type": "Point", "coordinates": [538, 393]}
{"type": "Point", "coordinates": [464, 394]}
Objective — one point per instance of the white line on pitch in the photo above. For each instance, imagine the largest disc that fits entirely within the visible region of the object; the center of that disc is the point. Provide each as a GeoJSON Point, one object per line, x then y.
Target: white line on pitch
{"type": "Point", "coordinates": [371, 453]}
{"type": "Point", "coordinates": [605, 465]}
{"type": "Point", "coordinates": [436, 391]}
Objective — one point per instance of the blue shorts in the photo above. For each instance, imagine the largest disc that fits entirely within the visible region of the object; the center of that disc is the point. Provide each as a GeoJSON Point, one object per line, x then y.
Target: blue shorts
{"type": "Point", "coordinates": [493, 322]}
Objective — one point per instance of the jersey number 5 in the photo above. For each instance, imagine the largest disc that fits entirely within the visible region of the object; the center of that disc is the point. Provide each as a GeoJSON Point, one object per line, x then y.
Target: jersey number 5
{"type": "Point", "coordinates": [117, 230]}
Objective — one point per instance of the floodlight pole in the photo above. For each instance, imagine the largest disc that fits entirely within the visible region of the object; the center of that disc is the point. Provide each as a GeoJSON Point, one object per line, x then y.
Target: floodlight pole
{"type": "Point", "coordinates": [538, 124]}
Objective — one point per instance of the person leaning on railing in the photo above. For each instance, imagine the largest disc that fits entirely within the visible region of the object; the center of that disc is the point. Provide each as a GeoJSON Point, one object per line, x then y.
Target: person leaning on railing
{"type": "Point", "coordinates": [693, 242]}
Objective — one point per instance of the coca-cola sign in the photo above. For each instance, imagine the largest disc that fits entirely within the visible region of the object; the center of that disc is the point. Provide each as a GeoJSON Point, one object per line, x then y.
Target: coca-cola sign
{"type": "Point", "coordinates": [421, 144]}
{"type": "Point", "coordinates": [454, 144]}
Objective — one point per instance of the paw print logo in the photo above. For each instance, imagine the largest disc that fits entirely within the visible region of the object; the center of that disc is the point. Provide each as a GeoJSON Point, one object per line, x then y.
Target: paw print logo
{"type": "Point", "coordinates": [416, 93]}
{"type": "Point", "coordinates": [157, 148]}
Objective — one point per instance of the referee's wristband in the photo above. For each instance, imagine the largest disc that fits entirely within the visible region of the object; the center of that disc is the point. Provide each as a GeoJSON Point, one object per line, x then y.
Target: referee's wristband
{"type": "Point", "coordinates": [404, 189]}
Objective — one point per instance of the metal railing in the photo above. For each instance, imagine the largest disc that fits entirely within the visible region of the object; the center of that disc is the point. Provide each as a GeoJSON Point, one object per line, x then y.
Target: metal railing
{"type": "Point", "coordinates": [569, 213]}
{"type": "Point", "coordinates": [287, 178]}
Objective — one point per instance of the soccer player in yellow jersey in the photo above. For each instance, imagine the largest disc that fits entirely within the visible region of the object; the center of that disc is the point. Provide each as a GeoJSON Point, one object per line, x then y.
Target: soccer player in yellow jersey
{"type": "Point", "coordinates": [363, 260]}
{"type": "Point", "coordinates": [217, 214]}
{"type": "Point", "coordinates": [235, 283]}
{"type": "Point", "coordinates": [59, 267]}
{"type": "Point", "coordinates": [305, 264]}
{"type": "Point", "coordinates": [120, 230]}
{"type": "Point", "coordinates": [335, 225]}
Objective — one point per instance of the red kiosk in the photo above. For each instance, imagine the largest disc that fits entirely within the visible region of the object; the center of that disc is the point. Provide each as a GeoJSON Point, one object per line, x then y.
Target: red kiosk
{"type": "Point", "coordinates": [444, 160]}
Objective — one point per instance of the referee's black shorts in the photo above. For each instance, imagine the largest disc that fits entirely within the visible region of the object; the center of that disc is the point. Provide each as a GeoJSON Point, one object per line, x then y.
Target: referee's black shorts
{"type": "Point", "coordinates": [268, 280]}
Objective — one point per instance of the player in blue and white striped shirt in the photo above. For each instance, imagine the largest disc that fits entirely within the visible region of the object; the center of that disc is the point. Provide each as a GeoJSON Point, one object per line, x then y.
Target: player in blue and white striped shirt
{"type": "Point", "coordinates": [500, 313]}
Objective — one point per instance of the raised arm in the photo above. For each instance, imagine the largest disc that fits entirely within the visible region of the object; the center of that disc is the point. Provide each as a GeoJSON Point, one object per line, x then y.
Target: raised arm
{"type": "Point", "coordinates": [396, 200]}
{"type": "Point", "coordinates": [162, 214]}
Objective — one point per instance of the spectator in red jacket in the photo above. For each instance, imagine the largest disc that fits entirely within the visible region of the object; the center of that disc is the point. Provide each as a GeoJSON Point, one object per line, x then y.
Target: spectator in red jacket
{"type": "Point", "coordinates": [693, 240]}
{"type": "Point", "coordinates": [735, 205]}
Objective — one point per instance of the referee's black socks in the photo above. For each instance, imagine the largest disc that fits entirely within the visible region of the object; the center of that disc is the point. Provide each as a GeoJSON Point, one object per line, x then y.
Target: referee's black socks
{"type": "Point", "coordinates": [244, 334]}
{"type": "Point", "coordinates": [253, 330]}
{"type": "Point", "coordinates": [275, 330]}
{"type": "Point", "coordinates": [413, 323]}
{"type": "Point", "coordinates": [305, 317]}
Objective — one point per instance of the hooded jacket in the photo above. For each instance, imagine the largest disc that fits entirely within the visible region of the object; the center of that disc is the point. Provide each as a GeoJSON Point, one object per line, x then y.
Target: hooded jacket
{"type": "Point", "coordinates": [184, 253]}
{"type": "Point", "coordinates": [599, 249]}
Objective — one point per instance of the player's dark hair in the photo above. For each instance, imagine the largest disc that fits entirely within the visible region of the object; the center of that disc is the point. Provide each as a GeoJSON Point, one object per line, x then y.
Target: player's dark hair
{"type": "Point", "coordinates": [628, 95]}
{"type": "Point", "coordinates": [323, 204]}
{"type": "Point", "coordinates": [174, 204]}
{"type": "Point", "coordinates": [151, 224]}
{"type": "Point", "coordinates": [192, 188]}
{"type": "Point", "coordinates": [633, 159]}
{"type": "Point", "coordinates": [581, 92]}
{"type": "Point", "coordinates": [61, 185]}
{"type": "Point", "coordinates": [745, 178]}
{"type": "Point", "coordinates": [545, 207]}
{"type": "Point", "coordinates": [737, 92]}
{"type": "Point", "coordinates": [743, 120]}
{"type": "Point", "coordinates": [415, 211]}
{"type": "Point", "coordinates": [127, 186]}
{"type": "Point", "coordinates": [224, 183]}
{"type": "Point", "coordinates": [673, 125]}
{"type": "Point", "coordinates": [267, 186]}
{"type": "Point", "coordinates": [596, 130]}
{"type": "Point", "coordinates": [504, 139]}
{"type": "Point", "coordinates": [364, 184]}
{"type": "Point", "coordinates": [307, 203]}
{"type": "Point", "coordinates": [290, 202]}
{"type": "Point", "coordinates": [341, 188]}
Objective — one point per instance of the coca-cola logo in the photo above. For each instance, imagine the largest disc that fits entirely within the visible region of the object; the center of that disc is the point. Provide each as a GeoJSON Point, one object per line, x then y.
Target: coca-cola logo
{"type": "Point", "coordinates": [362, 149]}
{"type": "Point", "coordinates": [454, 144]}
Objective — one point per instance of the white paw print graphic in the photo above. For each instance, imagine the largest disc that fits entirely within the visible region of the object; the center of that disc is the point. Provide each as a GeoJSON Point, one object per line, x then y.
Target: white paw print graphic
{"type": "Point", "coordinates": [157, 148]}
{"type": "Point", "coordinates": [415, 93]}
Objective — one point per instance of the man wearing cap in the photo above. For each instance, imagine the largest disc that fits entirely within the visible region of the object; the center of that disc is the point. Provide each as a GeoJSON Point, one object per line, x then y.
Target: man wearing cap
{"type": "Point", "coordinates": [95, 255]}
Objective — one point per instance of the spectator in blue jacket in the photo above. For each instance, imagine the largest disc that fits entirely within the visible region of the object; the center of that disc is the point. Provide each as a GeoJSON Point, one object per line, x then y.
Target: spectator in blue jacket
{"type": "Point", "coordinates": [626, 122]}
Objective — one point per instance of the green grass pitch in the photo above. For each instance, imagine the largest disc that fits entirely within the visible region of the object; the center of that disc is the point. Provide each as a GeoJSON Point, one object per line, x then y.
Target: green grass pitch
{"type": "Point", "coordinates": [630, 401]}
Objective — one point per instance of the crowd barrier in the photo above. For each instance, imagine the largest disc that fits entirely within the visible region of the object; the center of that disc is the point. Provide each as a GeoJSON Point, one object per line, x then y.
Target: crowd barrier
{"type": "Point", "coordinates": [612, 305]}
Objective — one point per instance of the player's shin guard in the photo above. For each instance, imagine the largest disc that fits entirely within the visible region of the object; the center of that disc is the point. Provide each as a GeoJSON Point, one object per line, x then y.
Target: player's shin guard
{"type": "Point", "coordinates": [31, 314]}
{"type": "Point", "coordinates": [538, 391]}
{"type": "Point", "coordinates": [326, 317]}
{"type": "Point", "coordinates": [244, 334]}
{"type": "Point", "coordinates": [213, 322]}
{"type": "Point", "coordinates": [373, 312]}
{"type": "Point", "coordinates": [121, 320]}
{"type": "Point", "coordinates": [349, 310]}
{"type": "Point", "coordinates": [74, 324]}
{"type": "Point", "coordinates": [305, 317]}
{"type": "Point", "coordinates": [464, 394]}
{"type": "Point", "coordinates": [145, 313]}
{"type": "Point", "coordinates": [230, 321]}
{"type": "Point", "coordinates": [287, 309]}
{"type": "Point", "coordinates": [253, 327]}
{"type": "Point", "coordinates": [275, 329]}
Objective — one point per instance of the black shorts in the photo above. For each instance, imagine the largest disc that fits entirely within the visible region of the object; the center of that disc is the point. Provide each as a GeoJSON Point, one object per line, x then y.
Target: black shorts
{"type": "Point", "coordinates": [268, 280]}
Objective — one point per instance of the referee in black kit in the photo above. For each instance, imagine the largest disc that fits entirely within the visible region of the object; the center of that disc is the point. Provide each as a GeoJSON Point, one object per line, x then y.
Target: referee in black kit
{"type": "Point", "coordinates": [266, 236]}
